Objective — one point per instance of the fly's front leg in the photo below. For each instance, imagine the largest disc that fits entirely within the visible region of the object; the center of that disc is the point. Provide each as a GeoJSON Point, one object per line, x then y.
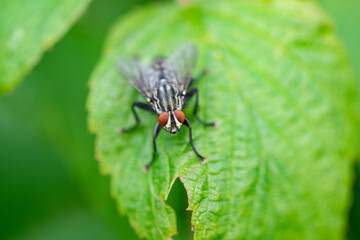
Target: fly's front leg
{"type": "Point", "coordinates": [187, 123]}
{"type": "Point", "coordinates": [140, 105]}
{"type": "Point", "coordinates": [188, 96]}
{"type": "Point", "coordinates": [155, 134]}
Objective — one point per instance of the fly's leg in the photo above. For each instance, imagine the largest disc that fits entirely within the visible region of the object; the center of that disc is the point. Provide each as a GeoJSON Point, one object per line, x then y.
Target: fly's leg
{"type": "Point", "coordinates": [155, 134]}
{"type": "Point", "coordinates": [188, 96]}
{"type": "Point", "coordinates": [140, 105]}
{"type": "Point", "coordinates": [187, 123]}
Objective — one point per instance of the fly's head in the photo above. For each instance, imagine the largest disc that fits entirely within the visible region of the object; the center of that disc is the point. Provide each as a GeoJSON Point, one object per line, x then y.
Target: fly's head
{"type": "Point", "coordinates": [172, 120]}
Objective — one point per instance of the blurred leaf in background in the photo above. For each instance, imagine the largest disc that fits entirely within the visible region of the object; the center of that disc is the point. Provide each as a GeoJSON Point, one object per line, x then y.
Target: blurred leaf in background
{"type": "Point", "coordinates": [49, 181]}
{"type": "Point", "coordinates": [27, 29]}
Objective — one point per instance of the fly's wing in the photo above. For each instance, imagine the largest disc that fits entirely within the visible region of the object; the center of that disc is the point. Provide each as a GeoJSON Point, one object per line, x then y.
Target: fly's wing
{"type": "Point", "coordinates": [183, 61]}
{"type": "Point", "coordinates": [135, 73]}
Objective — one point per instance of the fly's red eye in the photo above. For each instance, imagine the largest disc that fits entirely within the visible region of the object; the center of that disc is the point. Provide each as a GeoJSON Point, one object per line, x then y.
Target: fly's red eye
{"type": "Point", "coordinates": [180, 116]}
{"type": "Point", "coordinates": [163, 118]}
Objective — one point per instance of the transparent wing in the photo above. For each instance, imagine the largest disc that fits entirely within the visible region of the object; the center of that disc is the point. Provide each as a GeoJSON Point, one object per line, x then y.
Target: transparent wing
{"type": "Point", "coordinates": [183, 60]}
{"type": "Point", "coordinates": [135, 73]}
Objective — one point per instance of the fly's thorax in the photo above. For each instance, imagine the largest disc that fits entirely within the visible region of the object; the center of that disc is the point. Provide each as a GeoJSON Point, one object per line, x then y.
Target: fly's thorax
{"type": "Point", "coordinates": [166, 97]}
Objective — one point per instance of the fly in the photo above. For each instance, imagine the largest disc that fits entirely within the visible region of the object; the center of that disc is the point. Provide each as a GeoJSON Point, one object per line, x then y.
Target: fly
{"type": "Point", "coordinates": [165, 84]}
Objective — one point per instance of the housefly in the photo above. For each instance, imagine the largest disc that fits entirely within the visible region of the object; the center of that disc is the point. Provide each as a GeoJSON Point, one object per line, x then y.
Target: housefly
{"type": "Point", "coordinates": [164, 84]}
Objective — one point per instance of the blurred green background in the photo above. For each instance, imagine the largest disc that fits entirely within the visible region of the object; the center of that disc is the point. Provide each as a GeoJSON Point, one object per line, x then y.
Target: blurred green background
{"type": "Point", "coordinates": [50, 185]}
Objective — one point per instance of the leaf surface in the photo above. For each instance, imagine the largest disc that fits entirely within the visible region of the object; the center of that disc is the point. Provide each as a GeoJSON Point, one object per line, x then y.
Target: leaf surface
{"type": "Point", "coordinates": [280, 89]}
{"type": "Point", "coordinates": [27, 29]}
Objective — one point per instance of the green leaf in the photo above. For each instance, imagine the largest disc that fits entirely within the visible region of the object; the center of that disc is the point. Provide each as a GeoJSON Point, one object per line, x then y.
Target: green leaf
{"type": "Point", "coordinates": [282, 93]}
{"type": "Point", "coordinates": [27, 29]}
